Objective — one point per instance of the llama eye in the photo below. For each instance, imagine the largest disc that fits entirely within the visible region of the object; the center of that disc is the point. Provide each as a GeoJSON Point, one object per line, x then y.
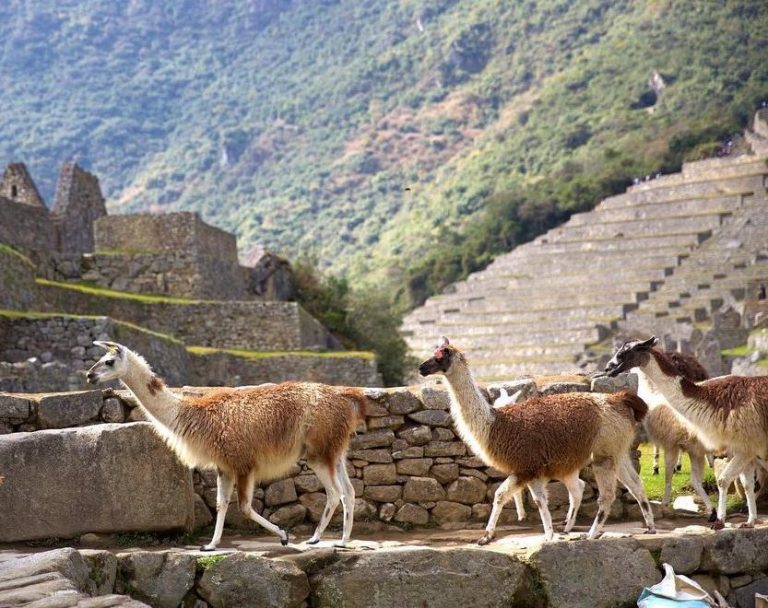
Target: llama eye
{"type": "Point", "coordinates": [110, 363]}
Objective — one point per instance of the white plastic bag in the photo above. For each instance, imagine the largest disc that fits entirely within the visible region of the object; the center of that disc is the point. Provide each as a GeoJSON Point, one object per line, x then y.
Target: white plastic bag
{"type": "Point", "coordinates": [675, 591]}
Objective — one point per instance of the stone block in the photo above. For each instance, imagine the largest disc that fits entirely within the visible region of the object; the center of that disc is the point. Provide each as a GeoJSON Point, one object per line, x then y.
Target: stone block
{"type": "Point", "coordinates": [379, 456]}
{"type": "Point", "coordinates": [599, 574]}
{"type": "Point", "coordinates": [683, 553]}
{"type": "Point", "coordinates": [736, 551]}
{"type": "Point", "coordinates": [14, 409]}
{"type": "Point", "coordinates": [402, 401]}
{"type": "Point", "coordinates": [412, 514]}
{"type": "Point", "coordinates": [103, 566]}
{"type": "Point", "coordinates": [466, 490]}
{"type": "Point", "coordinates": [280, 492]}
{"type": "Point", "coordinates": [434, 399]}
{"type": "Point", "coordinates": [432, 418]}
{"type": "Point", "coordinates": [557, 388]}
{"type": "Point", "coordinates": [423, 489]}
{"type": "Point", "coordinates": [375, 439]}
{"type": "Point", "coordinates": [451, 512]}
{"type": "Point", "coordinates": [419, 577]}
{"type": "Point", "coordinates": [445, 473]}
{"type": "Point", "coordinates": [383, 493]}
{"type": "Point", "coordinates": [314, 503]}
{"type": "Point", "coordinates": [307, 483]}
{"type": "Point", "coordinates": [414, 466]}
{"type": "Point", "coordinates": [50, 478]}
{"type": "Point", "coordinates": [385, 422]}
{"type": "Point", "coordinates": [418, 435]}
{"type": "Point", "coordinates": [112, 411]}
{"type": "Point", "coordinates": [161, 579]}
{"type": "Point", "coordinates": [622, 382]}
{"type": "Point", "coordinates": [244, 579]}
{"type": "Point", "coordinates": [379, 474]}
{"type": "Point", "coordinates": [69, 409]}
{"type": "Point", "coordinates": [444, 448]}
{"type": "Point", "coordinates": [289, 516]}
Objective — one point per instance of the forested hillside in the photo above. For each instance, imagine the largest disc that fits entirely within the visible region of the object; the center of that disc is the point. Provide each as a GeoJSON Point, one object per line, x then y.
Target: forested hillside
{"type": "Point", "coordinates": [400, 142]}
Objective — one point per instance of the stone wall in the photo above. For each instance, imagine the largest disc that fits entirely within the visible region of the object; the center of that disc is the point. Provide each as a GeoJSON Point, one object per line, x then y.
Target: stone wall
{"type": "Point", "coordinates": [602, 573]}
{"type": "Point", "coordinates": [78, 204]}
{"type": "Point", "coordinates": [26, 227]}
{"type": "Point", "coordinates": [63, 349]}
{"type": "Point", "coordinates": [17, 281]}
{"type": "Point", "coordinates": [262, 326]}
{"type": "Point", "coordinates": [407, 465]}
{"type": "Point", "coordinates": [171, 232]}
{"type": "Point", "coordinates": [219, 368]}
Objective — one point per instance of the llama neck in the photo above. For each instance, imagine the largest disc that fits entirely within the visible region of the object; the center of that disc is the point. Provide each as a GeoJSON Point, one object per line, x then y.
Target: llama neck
{"type": "Point", "coordinates": [473, 414]}
{"type": "Point", "coordinates": [162, 405]}
{"type": "Point", "coordinates": [685, 397]}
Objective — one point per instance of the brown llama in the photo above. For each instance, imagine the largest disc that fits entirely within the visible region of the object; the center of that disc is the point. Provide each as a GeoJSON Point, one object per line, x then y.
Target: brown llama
{"type": "Point", "coordinates": [249, 435]}
{"type": "Point", "coordinates": [729, 413]}
{"type": "Point", "coordinates": [544, 438]}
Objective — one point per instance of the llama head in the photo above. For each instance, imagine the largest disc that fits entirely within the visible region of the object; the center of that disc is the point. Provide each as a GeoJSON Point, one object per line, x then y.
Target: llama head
{"type": "Point", "coordinates": [635, 353]}
{"type": "Point", "coordinates": [112, 365]}
{"type": "Point", "coordinates": [442, 359]}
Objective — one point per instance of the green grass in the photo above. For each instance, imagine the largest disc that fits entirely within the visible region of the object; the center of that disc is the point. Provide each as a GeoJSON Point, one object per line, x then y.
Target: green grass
{"type": "Point", "coordinates": [266, 354]}
{"type": "Point", "coordinates": [739, 351]}
{"type": "Point", "coordinates": [14, 252]}
{"type": "Point", "coordinates": [207, 561]}
{"type": "Point", "coordinates": [103, 292]}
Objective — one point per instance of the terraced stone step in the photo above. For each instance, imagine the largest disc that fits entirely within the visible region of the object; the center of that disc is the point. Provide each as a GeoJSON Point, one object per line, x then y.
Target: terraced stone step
{"type": "Point", "coordinates": [544, 302]}
{"type": "Point", "coordinates": [500, 288]}
{"type": "Point", "coordinates": [425, 342]}
{"type": "Point", "coordinates": [513, 369]}
{"type": "Point", "coordinates": [684, 240]}
{"type": "Point", "coordinates": [700, 222]}
{"type": "Point", "coordinates": [555, 313]}
{"type": "Point", "coordinates": [657, 211]}
{"type": "Point", "coordinates": [529, 267]}
{"type": "Point", "coordinates": [744, 185]}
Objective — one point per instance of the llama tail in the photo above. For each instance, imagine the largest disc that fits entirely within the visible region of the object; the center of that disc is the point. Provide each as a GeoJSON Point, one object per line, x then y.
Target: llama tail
{"type": "Point", "coordinates": [624, 400]}
{"type": "Point", "coordinates": [358, 397]}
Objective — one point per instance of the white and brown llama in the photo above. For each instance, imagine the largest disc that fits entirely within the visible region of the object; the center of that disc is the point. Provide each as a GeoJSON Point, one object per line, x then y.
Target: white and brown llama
{"type": "Point", "coordinates": [666, 429]}
{"type": "Point", "coordinates": [546, 438]}
{"type": "Point", "coordinates": [728, 413]}
{"type": "Point", "coordinates": [249, 435]}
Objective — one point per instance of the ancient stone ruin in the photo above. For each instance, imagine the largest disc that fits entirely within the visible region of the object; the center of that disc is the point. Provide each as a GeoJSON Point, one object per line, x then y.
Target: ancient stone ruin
{"type": "Point", "coordinates": [665, 257]}
{"type": "Point", "coordinates": [170, 283]}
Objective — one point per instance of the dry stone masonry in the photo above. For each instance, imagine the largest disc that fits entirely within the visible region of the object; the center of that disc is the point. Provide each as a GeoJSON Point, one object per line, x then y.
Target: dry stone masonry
{"type": "Point", "coordinates": [666, 252]}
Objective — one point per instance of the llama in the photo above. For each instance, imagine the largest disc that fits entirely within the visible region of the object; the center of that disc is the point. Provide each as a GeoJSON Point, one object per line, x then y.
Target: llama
{"type": "Point", "coordinates": [249, 435]}
{"type": "Point", "coordinates": [665, 428]}
{"type": "Point", "coordinates": [545, 438]}
{"type": "Point", "coordinates": [728, 412]}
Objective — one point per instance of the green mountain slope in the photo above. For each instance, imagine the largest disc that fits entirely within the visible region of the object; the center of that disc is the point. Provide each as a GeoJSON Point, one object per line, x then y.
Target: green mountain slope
{"type": "Point", "coordinates": [371, 133]}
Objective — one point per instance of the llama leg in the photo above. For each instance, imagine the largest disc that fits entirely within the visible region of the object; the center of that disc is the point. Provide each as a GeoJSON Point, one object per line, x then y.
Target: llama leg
{"type": "Point", "coordinates": [748, 481]}
{"type": "Point", "coordinates": [245, 485]}
{"type": "Point", "coordinates": [538, 488]}
{"type": "Point", "coordinates": [347, 499]}
{"type": "Point", "coordinates": [224, 485]}
{"type": "Point", "coordinates": [631, 480]}
{"type": "Point", "coordinates": [711, 460]}
{"type": "Point", "coordinates": [520, 505]}
{"type": "Point", "coordinates": [575, 487]}
{"type": "Point", "coordinates": [670, 458]}
{"type": "Point", "coordinates": [503, 495]}
{"type": "Point", "coordinates": [679, 462]}
{"type": "Point", "coordinates": [327, 476]}
{"type": "Point", "coordinates": [737, 464]}
{"type": "Point", "coordinates": [605, 476]}
{"type": "Point", "coordinates": [697, 474]}
{"type": "Point", "coordinates": [655, 459]}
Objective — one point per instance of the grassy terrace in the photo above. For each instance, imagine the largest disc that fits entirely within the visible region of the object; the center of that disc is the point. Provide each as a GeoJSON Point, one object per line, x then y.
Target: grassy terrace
{"type": "Point", "coordinates": [8, 250]}
{"type": "Point", "coordinates": [15, 314]}
{"type": "Point", "coordinates": [120, 295]}
{"type": "Point", "coordinates": [262, 354]}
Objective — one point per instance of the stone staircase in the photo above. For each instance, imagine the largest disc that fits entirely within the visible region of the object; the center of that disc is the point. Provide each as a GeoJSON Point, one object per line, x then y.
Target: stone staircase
{"type": "Point", "coordinates": [535, 310]}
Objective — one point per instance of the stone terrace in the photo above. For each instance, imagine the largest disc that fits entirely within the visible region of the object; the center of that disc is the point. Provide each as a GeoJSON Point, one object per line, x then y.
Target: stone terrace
{"type": "Point", "coordinates": [537, 308]}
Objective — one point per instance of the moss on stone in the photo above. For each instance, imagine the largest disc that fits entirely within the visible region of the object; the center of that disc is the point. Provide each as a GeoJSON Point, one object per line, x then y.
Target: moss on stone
{"type": "Point", "coordinates": [265, 354]}
{"type": "Point", "coordinates": [7, 249]}
{"type": "Point", "coordinates": [103, 292]}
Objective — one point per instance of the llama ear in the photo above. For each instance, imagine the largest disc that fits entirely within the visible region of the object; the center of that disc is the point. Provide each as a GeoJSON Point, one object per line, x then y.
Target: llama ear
{"type": "Point", "coordinates": [443, 341]}
{"type": "Point", "coordinates": [112, 347]}
{"type": "Point", "coordinates": [648, 344]}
